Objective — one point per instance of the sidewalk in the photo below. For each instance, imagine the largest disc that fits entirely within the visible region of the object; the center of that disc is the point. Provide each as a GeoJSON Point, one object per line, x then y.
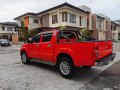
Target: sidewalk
{"type": "Point", "coordinates": [108, 80]}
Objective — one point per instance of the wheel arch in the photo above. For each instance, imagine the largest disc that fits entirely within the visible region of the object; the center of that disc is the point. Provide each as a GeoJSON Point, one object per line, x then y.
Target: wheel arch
{"type": "Point", "coordinates": [60, 55]}
{"type": "Point", "coordinates": [24, 50]}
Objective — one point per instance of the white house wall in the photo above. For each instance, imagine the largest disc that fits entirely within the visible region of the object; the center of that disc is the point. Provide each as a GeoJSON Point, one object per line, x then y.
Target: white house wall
{"type": "Point", "coordinates": [32, 25]}
{"type": "Point", "coordinates": [60, 23]}
{"type": "Point", "coordinates": [6, 31]}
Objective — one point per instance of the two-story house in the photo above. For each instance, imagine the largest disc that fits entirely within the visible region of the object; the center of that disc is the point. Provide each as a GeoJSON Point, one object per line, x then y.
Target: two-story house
{"type": "Point", "coordinates": [7, 30]}
{"type": "Point", "coordinates": [28, 20]}
{"type": "Point", "coordinates": [101, 27]}
{"type": "Point", "coordinates": [118, 22]}
{"type": "Point", "coordinates": [62, 15]}
{"type": "Point", "coordinates": [70, 16]}
{"type": "Point", "coordinates": [115, 30]}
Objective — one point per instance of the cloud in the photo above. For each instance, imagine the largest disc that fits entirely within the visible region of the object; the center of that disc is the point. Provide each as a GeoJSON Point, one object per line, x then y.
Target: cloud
{"type": "Point", "coordinates": [10, 9]}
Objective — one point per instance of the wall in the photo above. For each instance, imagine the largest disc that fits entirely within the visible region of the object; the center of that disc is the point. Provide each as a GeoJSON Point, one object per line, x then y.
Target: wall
{"type": "Point", "coordinates": [115, 29]}
{"type": "Point", "coordinates": [6, 31]}
{"type": "Point", "coordinates": [90, 21]}
{"type": "Point", "coordinates": [60, 23]}
{"type": "Point", "coordinates": [26, 21]}
{"type": "Point", "coordinates": [0, 29]}
{"type": "Point", "coordinates": [45, 20]}
{"type": "Point", "coordinates": [15, 39]}
{"type": "Point", "coordinates": [33, 25]}
{"type": "Point", "coordinates": [94, 34]}
{"type": "Point", "coordinates": [94, 22]}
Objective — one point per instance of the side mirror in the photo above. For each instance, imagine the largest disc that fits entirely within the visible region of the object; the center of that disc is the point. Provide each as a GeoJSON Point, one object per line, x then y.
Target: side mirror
{"type": "Point", "coordinates": [28, 41]}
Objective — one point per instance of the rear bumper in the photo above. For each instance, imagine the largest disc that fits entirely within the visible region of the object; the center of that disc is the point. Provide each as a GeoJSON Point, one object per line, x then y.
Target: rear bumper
{"type": "Point", "coordinates": [105, 61]}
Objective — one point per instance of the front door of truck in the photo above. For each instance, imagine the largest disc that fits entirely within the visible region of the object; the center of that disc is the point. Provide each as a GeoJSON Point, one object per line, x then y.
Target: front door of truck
{"type": "Point", "coordinates": [34, 47]}
{"type": "Point", "coordinates": [46, 47]}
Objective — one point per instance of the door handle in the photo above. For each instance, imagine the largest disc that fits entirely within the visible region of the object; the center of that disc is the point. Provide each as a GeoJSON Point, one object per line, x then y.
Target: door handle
{"type": "Point", "coordinates": [49, 45]}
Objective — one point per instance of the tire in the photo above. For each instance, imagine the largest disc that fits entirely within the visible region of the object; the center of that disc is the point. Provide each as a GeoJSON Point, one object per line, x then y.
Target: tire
{"type": "Point", "coordinates": [66, 63]}
{"type": "Point", "coordinates": [24, 58]}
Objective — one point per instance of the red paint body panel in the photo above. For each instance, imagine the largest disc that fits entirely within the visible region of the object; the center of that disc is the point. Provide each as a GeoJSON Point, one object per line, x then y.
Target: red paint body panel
{"type": "Point", "coordinates": [82, 53]}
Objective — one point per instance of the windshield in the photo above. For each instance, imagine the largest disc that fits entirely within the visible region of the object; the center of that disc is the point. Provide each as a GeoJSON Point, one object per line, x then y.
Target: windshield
{"type": "Point", "coordinates": [4, 40]}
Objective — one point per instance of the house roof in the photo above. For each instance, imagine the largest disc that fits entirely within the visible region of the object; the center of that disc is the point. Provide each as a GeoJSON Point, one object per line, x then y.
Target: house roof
{"type": "Point", "coordinates": [100, 17]}
{"type": "Point", "coordinates": [56, 7]}
{"type": "Point", "coordinates": [9, 23]}
{"type": "Point", "coordinates": [62, 5]}
{"type": "Point", "coordinates": [26, 14]}
{"type": "Point", "coordinates": [115, 23]}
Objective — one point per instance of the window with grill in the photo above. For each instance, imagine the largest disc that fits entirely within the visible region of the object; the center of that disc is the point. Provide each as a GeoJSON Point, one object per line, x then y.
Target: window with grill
{"type": "Point", "coordinates": [54, 19]}
{"type": "Point", "coordinates": [35, 20]}
{"type": "Point", "coordinates": [9, 28]}
{"type": "Point", "coordinates": [72, 18]}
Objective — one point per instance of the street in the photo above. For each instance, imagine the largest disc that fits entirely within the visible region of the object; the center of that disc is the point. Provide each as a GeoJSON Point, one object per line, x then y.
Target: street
{"type": "Point", "coordinates": [16, 76]}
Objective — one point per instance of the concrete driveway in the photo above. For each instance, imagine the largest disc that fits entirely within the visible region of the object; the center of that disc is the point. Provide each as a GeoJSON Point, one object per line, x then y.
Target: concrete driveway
{"type": "Point", "coordinates": [16, 76]}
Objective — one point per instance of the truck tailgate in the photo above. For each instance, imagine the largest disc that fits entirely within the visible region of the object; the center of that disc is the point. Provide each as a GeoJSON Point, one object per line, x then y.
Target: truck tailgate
{"type": "Point", "coordinates": [105, 48]}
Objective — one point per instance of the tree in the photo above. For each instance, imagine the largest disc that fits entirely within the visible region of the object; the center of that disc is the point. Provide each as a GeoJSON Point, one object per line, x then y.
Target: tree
{"type": "Point", "coordinates": [33, 32]}
{"type": "Point", "coordinates": [86, 33]}
{"type": "Point", "coordinates": [24, 31]}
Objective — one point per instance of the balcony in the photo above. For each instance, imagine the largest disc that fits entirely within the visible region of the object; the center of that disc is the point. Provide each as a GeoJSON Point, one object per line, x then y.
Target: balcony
{"type": "Point", "coordinates": [7, 32]}
{"type": "Point", "coordinates": [114, 31]}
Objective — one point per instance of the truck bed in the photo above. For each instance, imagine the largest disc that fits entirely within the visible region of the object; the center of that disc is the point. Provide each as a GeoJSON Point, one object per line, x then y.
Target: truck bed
{"type": "Point", "coordinates": [83, 51]}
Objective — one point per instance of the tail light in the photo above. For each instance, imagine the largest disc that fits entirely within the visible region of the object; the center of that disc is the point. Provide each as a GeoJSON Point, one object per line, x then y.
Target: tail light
{"type": "Point", "coordinates": [96, 52]}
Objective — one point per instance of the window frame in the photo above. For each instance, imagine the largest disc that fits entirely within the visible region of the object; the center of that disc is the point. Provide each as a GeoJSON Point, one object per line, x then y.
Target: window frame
{"type": "Point", "coordinates": [3, 28]}
{"type": "Point", "coordinates": [34, 21]}
{"type": "Point", "coordinates": [54, 19]}
{"type": "Point", "coordinates": [35, 37]}
{"type": "Point", "coordinates": [22, 23]}
{"type": "Point", "coordinates": [65, 37]}
{"type": "Point", "coordinates": [9, 28]}
{"type": "Point", "coordinates": [72, 18]}
{"type": "Point", "coordinates": [64, 16]}
{"type": "Point", "coordinates": [46, 34]}
{"type": "Point", "coordinates": [80, 20]}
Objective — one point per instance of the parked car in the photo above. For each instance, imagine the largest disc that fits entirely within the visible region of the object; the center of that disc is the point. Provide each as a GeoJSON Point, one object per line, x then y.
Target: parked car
{"type": "Point", "coordinates": [4, 42]}
{"type": "Point", "coordinates": [66, 50]}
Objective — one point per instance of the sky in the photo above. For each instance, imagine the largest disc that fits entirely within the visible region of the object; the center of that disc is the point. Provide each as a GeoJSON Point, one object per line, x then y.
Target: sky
{"type": "Point", "coordinates": [9, 9]}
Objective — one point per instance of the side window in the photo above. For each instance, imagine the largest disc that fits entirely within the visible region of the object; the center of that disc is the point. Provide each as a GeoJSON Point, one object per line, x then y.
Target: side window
{"type": "Point", "coordinates": [36, 39]}
{"type": "Point", "coordinates": [67, 37]}
{"type": "Point", "coordinates": [47, 37]}
{"type": "Point", "coordinates": [70, 35]}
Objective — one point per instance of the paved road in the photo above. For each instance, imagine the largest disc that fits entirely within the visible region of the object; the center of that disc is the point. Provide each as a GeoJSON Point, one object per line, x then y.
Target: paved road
{"type": "Point", "coordinates": [107, 80]}
{"type": "Point", "coordinates": [16, 76]}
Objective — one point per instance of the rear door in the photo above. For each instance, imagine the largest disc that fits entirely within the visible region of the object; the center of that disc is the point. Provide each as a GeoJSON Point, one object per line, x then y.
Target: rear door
{"type": "Point", "coordinates": [34, 47]}
{"type": "Point", "coordinates": [46, 47]}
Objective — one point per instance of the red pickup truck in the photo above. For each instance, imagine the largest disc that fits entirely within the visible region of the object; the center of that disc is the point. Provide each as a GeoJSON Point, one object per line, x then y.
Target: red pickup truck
{"type": "Point", "coordinates": [67, 49]}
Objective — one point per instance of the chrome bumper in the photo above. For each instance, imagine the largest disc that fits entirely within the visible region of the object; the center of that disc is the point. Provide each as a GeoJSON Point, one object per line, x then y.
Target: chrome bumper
{"type": "Point", "coordinates": [105, 61]}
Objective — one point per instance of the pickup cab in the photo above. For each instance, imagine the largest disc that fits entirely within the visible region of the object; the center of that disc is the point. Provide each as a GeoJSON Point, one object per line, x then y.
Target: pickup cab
{"type": "Point", "coordinates": [67, 49]}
